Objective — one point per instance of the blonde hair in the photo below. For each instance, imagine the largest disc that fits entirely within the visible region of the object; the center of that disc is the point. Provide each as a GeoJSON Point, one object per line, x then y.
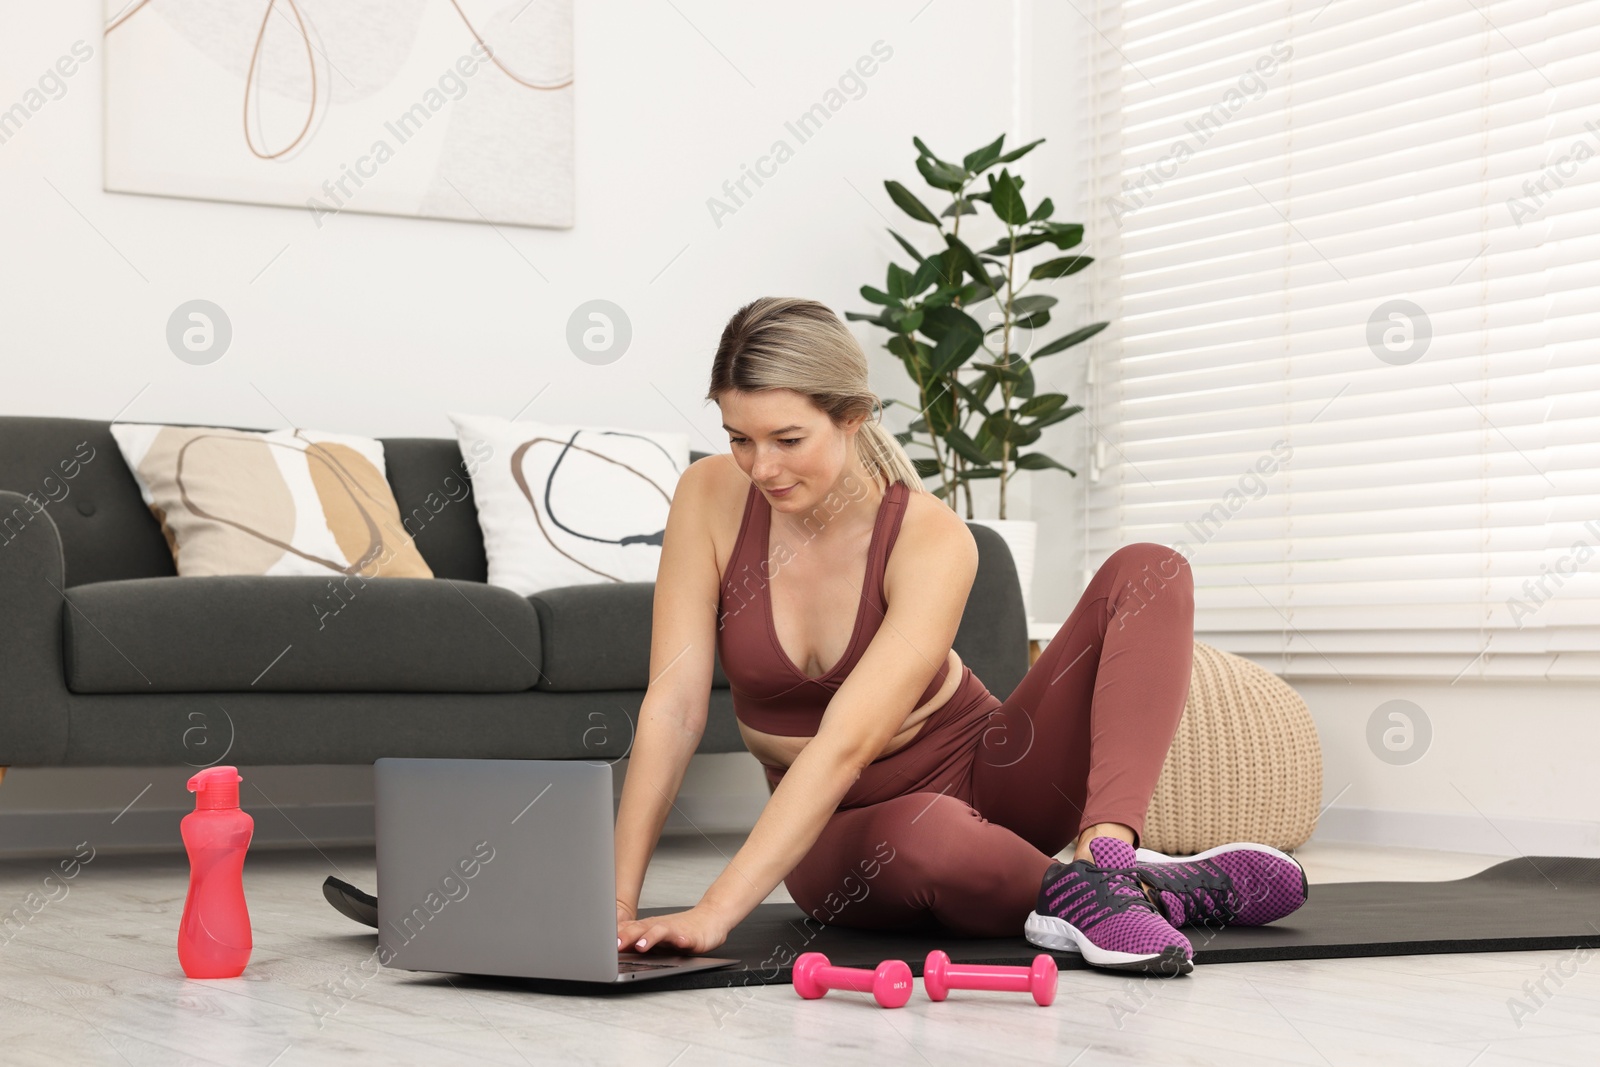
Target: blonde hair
{"type": "Point", "coordinates": [801, 345]}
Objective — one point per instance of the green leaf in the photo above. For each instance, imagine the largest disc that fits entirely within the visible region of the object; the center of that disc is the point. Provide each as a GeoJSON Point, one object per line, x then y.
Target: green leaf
{"type": "Point", "coordinates": [1033, 322]}
{"type": "Point", "coordinates": [906, 348]}
{"type": "Point", "coordinates": [1025, 386]}
{"type": "Point", "coordinates": [1057, 416]}
{"type": "Point", "coordinates": [959, 335]}
{"type": "Point", "coordinates": [1060, 344]}
{"type": "Point", "coordinates": [1025, 241]}
{"type": "Point", "coordinates": [928, 468]}
{"type": "Point", "coordinates": [1006, 199]}
{"type": "Point", "coordinates": [929, 272]}
{"type": "Point", "coordinates": [940, 321]}
{"type": "Point", "coordinates": [924, 149]}
{"type": "Point", "coordinates": [907, 202]}
{"type": "Point", "coordinates": [947, 270]}
{"type": "Point", "coordinates": [965, 446]}
{"type": "Point", "coordinates": [941, 175]}
{"type": "Point", "coordinates": [990, 445]}
{"type": "Point", "coordinates": [908, 246]}
{"type": "Point", "coordinates": [1010, 373]}
{"type": "Point", "coordinates": [876, 320]}
{"type": "Point", "coordinates": [1024, 305]}
{"type": "Point", "coordinates": [916, 370]}
{"type": "Point", "coordinates": [1001, 427]}
{"type": "Point", "coordinates": [983, 389]}
{"type": "Point", "coordinates": [1038, 461]}
{"type": "Point", "coordinates": [975, 294]}
{"type": "Point", "coordinates": [1064, 235]}
{"type": "Point", "coordinates": [899, 282]}
{"type": "Point", "coordinates": [1043, 404]}
{"type": "Point", "coordinates": [1018, 153]}
{"type": "Point", "coordinates": [985, 156]}
{"type": "Point", "coordinates": [939, 408]}
{"type": "Point", "coordinates": [1043, 211]}
{"type": "Point", "coordinates": [968, 261]}
{"type": "Point", "coordinates": [1060, 268]}
{"type": "Point", "coordinates": [877, 296]}
{"type": "Point", "coordinates": [982, 472]}
{"type": "Point", "coordinates": [959, 206]}
{"type": "Point", "coordinates": [973, 399]}
{"type": "Point", "coordinates": [907, 322]}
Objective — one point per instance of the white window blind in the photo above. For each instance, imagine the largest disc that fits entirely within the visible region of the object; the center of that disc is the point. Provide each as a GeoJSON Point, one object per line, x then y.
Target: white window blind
{"type": "Point", "coordinates": [1362, 487]}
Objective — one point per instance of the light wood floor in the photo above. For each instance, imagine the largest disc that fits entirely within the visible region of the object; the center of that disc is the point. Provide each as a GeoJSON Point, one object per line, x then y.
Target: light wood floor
{"type": "Point", "coordinates": [93, 978]}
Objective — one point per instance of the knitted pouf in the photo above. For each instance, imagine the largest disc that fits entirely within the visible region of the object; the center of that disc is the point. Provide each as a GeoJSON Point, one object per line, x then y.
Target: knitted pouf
{"type": "Point", "coordinates": [1245, 764]}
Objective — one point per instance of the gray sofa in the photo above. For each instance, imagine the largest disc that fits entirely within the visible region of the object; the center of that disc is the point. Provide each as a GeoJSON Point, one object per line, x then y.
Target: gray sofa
{"type": "Point", "coordinates": [108, 658]}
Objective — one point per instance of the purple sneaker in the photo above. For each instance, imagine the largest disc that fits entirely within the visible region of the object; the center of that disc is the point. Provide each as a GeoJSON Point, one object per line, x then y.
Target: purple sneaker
{"type": "Point", "coordinates": [1098, 909]}
{"type": "Point", "coordinates": [1241, 884]}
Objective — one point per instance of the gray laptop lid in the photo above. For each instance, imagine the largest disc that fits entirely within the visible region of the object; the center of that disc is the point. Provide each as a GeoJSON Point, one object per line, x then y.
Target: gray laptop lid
{"type": "Point", "coordinates": [500, 867]}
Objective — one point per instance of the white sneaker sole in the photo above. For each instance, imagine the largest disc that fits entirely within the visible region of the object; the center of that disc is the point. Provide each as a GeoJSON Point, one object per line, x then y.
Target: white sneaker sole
{"type": "Point", "coordinates": [1047, 931]}
{"type": "Point", "coordinates": [1150, 855]}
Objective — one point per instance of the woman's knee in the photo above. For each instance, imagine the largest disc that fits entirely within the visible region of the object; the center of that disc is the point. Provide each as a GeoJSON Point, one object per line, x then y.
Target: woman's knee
{"type": "Point", "coordinates": [1152, 569]}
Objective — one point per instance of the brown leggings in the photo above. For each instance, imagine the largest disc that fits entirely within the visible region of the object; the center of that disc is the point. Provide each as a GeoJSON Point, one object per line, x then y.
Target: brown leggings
{"type": "Point", "coordinates": [957, 828]}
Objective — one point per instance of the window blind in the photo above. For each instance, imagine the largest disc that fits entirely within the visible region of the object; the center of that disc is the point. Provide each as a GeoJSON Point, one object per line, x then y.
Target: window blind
{"type": "Point", "coordinates": [1350, 252]}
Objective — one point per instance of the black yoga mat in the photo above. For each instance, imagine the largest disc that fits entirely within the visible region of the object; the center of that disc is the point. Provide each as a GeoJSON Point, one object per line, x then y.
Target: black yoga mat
{"type": "Point", "coordinates": [1534, 902]}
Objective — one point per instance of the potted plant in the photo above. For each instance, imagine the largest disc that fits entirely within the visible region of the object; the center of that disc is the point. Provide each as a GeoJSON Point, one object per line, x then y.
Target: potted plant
{"type": "Point", "coordinates": [977, 403]}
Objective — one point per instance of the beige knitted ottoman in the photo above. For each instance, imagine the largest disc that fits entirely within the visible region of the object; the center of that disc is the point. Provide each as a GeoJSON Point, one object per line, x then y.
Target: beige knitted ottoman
{"type": "Point", "coordinates": [1245, 764]}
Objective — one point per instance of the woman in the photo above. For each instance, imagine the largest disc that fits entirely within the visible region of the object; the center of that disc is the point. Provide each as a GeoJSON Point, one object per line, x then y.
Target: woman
{"type": "Point", "coordinates": [904, 794]}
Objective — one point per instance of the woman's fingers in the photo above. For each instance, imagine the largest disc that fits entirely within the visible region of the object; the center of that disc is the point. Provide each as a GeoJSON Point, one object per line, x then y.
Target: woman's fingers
{"type": "Point", "coordinates": [638, 936]}
{"type": "Point", "coordinates": [676, 930]}
{"type": "Point", "coordinates": [657, 933]}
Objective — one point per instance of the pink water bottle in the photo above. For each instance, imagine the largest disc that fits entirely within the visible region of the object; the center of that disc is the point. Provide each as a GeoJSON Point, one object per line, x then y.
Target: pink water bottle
{"type": "Point", "coordinates": [214, 936]}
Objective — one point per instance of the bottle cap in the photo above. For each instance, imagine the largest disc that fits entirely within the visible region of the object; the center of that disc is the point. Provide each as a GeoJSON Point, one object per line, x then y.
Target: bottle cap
{"type": "Point", "coordinates": [216, 787]}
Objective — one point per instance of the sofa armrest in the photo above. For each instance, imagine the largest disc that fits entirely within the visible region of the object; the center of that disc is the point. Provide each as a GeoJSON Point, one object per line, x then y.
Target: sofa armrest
{"type": "Point", "coordinates": [34, 715]}
{"type": "Point", "coordinates": [993, 636]}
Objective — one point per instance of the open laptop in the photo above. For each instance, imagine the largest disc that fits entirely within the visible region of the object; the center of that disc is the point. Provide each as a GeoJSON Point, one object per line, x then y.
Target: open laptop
{"type": "Point", "coordinates": [503, 867]}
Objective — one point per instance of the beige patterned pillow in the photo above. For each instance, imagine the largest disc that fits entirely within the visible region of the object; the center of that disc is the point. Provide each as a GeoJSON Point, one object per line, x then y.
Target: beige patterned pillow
{"type": "Point", "coordinates": [284, 502]}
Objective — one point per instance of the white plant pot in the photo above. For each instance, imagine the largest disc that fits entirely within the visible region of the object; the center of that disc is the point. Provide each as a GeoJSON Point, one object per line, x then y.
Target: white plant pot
{"type": "Point", "coordinates": [1022, 537]}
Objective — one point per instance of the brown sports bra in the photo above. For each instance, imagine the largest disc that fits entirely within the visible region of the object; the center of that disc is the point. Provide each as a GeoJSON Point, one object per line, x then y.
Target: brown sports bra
{"type": "Point", "coordinates": [769, 692]}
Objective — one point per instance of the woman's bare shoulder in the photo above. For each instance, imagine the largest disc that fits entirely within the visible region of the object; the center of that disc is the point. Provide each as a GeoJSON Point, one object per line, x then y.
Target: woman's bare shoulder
{"type": "Point", "coordinates": [715, 489]}
{"type": "Point", "coordinates": [931, 529]}
{"type": "Point", "coordinates": [928, 513]}
{"type": "Point", "coordinates": [933, 540]}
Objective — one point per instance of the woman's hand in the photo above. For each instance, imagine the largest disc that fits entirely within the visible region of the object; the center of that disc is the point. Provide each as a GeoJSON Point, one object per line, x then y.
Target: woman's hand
{"type": "Point", "coordinates": [691, 933]}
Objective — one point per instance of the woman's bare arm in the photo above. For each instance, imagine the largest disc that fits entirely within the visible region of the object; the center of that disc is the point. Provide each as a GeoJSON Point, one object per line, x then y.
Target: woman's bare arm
{"type": "Point", "coordinates": [672, 716]}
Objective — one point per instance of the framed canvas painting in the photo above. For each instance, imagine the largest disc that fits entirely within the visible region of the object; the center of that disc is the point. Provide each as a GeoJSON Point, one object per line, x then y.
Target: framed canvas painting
{"type": "Point", "coordinates": [451, 109]}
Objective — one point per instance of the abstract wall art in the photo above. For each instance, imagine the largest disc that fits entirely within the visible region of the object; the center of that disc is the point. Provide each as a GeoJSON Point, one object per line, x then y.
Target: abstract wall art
{"type": "Point", "coordinates": [451, 109]}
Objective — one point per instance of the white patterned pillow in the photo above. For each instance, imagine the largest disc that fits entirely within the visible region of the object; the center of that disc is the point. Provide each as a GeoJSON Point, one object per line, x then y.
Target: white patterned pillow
{"type": "Point", "coordinates": [570, 505]}
{"type": "Point", "coordinates": [280, 502]}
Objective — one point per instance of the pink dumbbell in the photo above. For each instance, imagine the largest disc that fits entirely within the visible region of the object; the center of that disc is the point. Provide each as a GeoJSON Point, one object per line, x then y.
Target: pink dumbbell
{"type": "Point", "coordinates": [890, 984]}
{"type": "Point", "coordinates": [939, 976]}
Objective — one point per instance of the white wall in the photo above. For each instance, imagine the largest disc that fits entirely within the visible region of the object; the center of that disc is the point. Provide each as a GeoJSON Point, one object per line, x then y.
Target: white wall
{"type": "Point", "coordinates": [1506, 772]}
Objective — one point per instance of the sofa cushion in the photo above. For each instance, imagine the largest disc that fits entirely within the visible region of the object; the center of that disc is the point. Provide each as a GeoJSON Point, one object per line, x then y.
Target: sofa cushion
{"type": "Point", "coordinates": [597, 637]}
{"type": "Point", "coordinates": [252, 633]}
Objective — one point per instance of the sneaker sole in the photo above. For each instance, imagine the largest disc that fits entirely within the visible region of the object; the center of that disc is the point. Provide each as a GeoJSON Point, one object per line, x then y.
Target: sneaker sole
{"type": "Point", "coordinates": [1150, 855]}
{"type": "Point", "coordinates": [1047, 931]}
